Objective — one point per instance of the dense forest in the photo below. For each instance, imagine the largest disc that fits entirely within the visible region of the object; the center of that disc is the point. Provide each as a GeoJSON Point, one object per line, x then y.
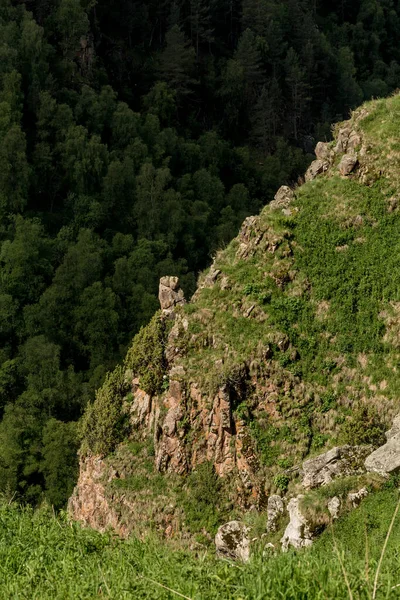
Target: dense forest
{"type": "Point", "coordinates": [135, 138]}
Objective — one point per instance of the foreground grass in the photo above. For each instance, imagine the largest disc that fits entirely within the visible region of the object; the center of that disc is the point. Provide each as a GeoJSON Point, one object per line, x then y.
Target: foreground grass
{"type": "Point", "coordinates": [44, 557]}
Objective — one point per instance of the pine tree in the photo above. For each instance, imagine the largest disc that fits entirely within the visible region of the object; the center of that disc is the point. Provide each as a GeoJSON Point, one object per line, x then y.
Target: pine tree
{"type": "Point", "coordinates": [177, 62]}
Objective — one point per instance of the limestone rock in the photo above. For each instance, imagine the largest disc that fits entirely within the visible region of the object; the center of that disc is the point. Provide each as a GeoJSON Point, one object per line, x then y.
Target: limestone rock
{"type": "Point", "coordinates": [298, 532]}
{"type": "Point", "coordinates": [316, 167]}
{"type": "Point", "coordinates": [283, 197]}
{"type": "Point", "coordinates": [275, 509]}
{"type": "Point", "coordinates": [232, 541]}
{"type": "Point", "coordinates": [341, 461]}
{"type": "Point", "coordinates": [170, 294]}
{"type": "Point", "coordinates": [334, 507]}
{"type": "Point", "coordinates": [347, 164]}
{"type": "Point", "coordinates": [386, 459]}
{"type": "Point", "coordinates": [356, 497]}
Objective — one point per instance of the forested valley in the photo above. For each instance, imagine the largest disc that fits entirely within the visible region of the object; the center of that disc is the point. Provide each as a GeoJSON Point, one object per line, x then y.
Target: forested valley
{"type": "Point", "coordinates": [135, 137]}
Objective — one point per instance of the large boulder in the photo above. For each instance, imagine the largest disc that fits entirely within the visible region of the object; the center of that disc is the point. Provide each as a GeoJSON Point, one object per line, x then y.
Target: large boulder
{"type": "Point", "coordinates": [298, 533]}
{"type": "Point", "coordinates": [341, 461]}
{"type": "Point", "coordinates": [232, 541]}
{"type": "Point", "coordinates": [386, 459]}
{"type": "Point", "coordinates": [170, 294]}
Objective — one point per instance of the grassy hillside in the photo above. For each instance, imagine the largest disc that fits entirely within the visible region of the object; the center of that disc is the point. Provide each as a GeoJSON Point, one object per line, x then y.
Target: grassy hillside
{"type": "Point", "coordinates": [296, 327]}
{"type": "Point", "coordinates": [43, 557]}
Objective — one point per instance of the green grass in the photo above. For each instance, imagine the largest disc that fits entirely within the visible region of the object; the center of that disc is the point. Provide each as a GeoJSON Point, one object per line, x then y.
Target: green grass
{"type": "Point", "coordinates": [43, 557]}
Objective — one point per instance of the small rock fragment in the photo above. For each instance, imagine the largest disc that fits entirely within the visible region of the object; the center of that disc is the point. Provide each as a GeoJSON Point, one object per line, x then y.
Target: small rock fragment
{"type": "Point", "coordinates": [334, 507]}
{"type": "Point", "coordinates": [356, 497]}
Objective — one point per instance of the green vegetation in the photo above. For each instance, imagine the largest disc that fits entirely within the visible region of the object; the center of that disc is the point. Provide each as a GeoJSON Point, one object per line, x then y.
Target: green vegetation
{"type": "Point", "coordinates": [45, 557]}
{"type": "Point", "coordinates": [145, 357]}
{"type": "Point", "coordinates": [102, 425]}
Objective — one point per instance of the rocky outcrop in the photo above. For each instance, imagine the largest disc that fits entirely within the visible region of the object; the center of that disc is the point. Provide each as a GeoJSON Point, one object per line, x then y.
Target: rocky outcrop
{"type": "Point", "coordinates": [386, 459]}
{"type": "Point", "coordinates": [89, 503]}
{"type": "Point", "coordinates": [324, 152]}
{"type": "Point", "coordinates": [341, 461]}
{"type": "Point", "coordinates": [298, 532]}
{"type": "Point", "coordinates": [170, 294]}
{"type": "Point", "coordinates": [232, 541]}
{"type": "Point", "coordinates": [275, 510]}
{"type": "Point", "coordinates": [347, 140]}
{"type": "Point", "coordinates": [283, 198]}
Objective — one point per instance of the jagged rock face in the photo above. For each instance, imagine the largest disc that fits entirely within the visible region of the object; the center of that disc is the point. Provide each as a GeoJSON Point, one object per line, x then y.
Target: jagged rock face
{"type": "Point", "coordinates": [386, 459]}
{"type": "Point", "coordinates": [298, 532]}
{"type": "Point", "coordinates": [170, 295]}
{"type": "Point", "coordinates": [232, 541]}
{"type": "Point", "coordinates": [89, 503]}
{"type": "Point", "coordinates": [339, 462]}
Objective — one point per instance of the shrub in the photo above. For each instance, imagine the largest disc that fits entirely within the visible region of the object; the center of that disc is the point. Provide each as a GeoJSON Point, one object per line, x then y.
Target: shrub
{"type": "Point", "coordinates": [146, 355]}
{"type": "Point", "coordinates": [364, 427]}
{"type": "Point", "coordinates": [103, 423]}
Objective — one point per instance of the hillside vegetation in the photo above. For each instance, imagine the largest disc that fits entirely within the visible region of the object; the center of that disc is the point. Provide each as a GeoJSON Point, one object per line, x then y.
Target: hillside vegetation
{"type": "Point", "coordinates": [289, 347]}
{"type": "Point", "coordinates": [44, 557]}
{"type": "Point", "coordinates": [135, 137]}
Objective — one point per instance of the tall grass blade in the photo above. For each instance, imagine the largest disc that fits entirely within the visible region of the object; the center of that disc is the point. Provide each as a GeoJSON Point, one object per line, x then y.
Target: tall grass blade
{"type": "Point", "coordinates": [384, 548]}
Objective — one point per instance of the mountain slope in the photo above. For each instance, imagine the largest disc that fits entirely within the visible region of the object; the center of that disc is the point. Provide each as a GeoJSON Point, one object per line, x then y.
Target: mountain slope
{"type": "Point", "coordinates": [289, 346]}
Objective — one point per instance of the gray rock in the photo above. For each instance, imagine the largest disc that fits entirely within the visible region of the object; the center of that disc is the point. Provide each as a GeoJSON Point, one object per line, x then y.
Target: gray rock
{"type": "Point", "coordinates": [324, 152]}
{"type": "Point", "coordinates": [341, 461]}
{"type": "Point", "coordinates": [334, 507]}
{"type": "Point", "coordinates": [283, 197]}
{"type": "Point", "coordinates": [348, 164]}
{"type": "Point", "coordinates": [354, 498]}
{"type": "Point", "coordinates": [232, 541]}
{"type": "Point", "coordinates": [354, 141]}
{"type": "Point", "coordinates": [297, 533]}
{"type": "Point", "coordinates": [170, 294]}
{"type": "Point", "coordinates": [316, 168]}
{"type": "Point", "coordinates": [342, 140]}
{"type": "Point", "coordinates": [275, 509]}
{"type": "Point", "coordinates": [386, 459]}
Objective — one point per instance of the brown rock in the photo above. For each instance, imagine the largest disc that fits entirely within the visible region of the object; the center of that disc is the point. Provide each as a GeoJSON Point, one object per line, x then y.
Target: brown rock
{"type": "Point", "coordinates": [347, 164]}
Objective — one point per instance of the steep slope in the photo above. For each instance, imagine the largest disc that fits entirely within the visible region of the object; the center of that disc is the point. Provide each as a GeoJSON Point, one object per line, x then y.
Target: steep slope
{"type": "Point", "coordinates": [289, 347]}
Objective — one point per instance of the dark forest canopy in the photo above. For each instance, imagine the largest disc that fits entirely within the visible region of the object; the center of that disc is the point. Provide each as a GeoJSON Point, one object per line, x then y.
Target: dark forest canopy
{"type": "Point", "coordinates": [135, 138]}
